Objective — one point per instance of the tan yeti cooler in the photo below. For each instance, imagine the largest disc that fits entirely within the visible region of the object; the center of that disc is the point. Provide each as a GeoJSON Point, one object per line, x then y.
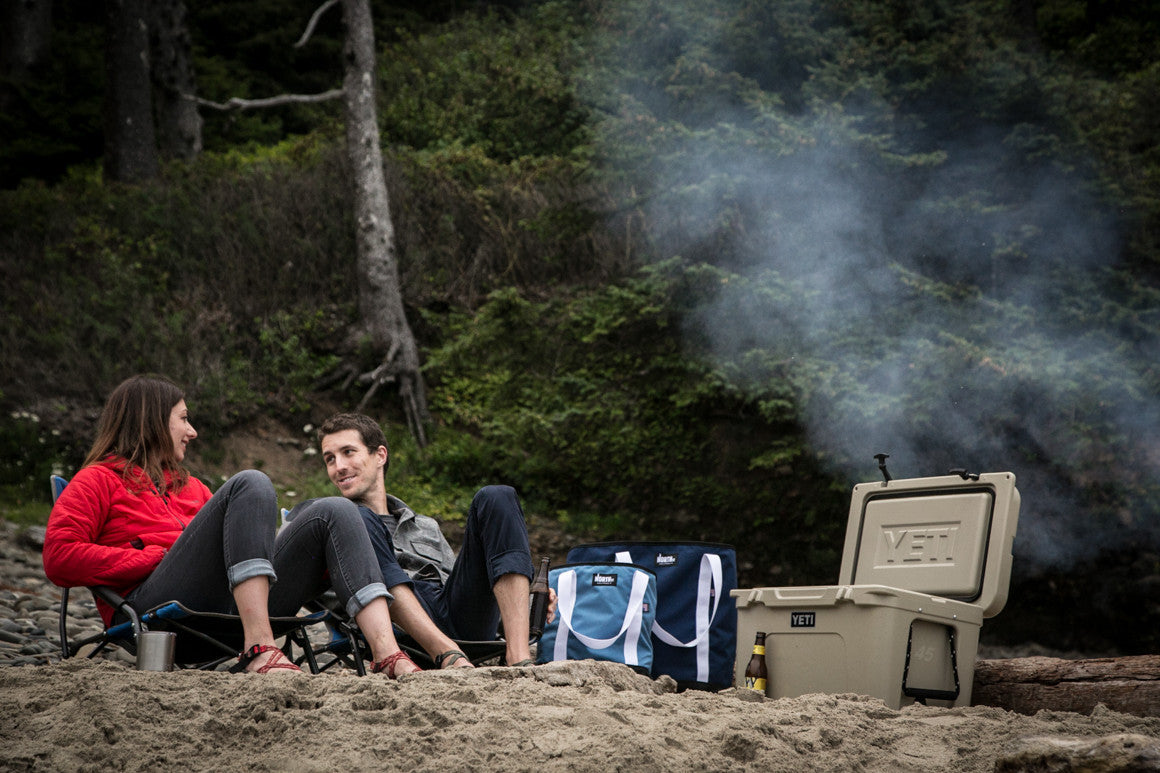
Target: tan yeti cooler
{"type": "Point", "coordinates": [925, 561]}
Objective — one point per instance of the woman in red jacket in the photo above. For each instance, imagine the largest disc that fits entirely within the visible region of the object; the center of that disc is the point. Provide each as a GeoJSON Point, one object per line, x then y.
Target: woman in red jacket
{"type": "Point", "coordinates": [134, 519]}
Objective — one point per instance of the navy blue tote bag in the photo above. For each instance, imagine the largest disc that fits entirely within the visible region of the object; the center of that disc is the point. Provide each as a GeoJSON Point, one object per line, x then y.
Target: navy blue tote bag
{"type": "Point", "coordinates": [695, 632]}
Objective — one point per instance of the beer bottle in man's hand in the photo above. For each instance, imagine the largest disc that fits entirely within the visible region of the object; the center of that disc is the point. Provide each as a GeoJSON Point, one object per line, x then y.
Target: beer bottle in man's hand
{"type": "Point", "coordinates": [756, 674]}
{"type": "Point", "coordinates": [539, 602]}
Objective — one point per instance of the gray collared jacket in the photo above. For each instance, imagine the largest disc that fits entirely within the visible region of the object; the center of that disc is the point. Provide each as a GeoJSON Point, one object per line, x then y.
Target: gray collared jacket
{"type": "Point", "coordinates": [420, 547]}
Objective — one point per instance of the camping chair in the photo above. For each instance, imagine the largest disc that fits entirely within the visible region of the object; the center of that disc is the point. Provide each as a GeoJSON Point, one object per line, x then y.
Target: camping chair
{"type": "Point", "coordinates": [205, 640]}
{"type": "Point", "coordinates": [347, 645]}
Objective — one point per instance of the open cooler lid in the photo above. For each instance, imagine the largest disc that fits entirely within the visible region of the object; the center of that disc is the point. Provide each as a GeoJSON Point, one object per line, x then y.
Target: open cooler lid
{"type": "Point", "coordinates": [947, 536]}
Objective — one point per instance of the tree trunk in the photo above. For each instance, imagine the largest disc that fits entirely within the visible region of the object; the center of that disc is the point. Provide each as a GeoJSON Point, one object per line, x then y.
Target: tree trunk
{"type": "Point", "coordinates": [380, 296]}
{"type": "Point", "coordinates": [1026, 685]}
{"type": "Point", "coordinates": [25, 34]}
{"type": "Point", "coordinates": [25, 39]}
{"type": "Point", "coordinates": [178, 122]}
{"type": "Point", "coordinates": [130, 146]}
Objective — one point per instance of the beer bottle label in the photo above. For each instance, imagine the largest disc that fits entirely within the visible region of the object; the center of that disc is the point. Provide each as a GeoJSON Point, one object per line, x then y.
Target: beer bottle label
{"type": "Point", "coordinates": [754, 683]}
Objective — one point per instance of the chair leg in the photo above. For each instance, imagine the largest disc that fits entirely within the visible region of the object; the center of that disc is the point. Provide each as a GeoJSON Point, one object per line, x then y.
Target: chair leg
{"type": "Point", "coordinates": [64, 648]}
{"type": "Point", "coordinates": [97, 650]}
{"type": "Point", "coordinates": [355, 650]}
{"type": "Point", "coordinates": [303, 640]}
{"type": "Point", "coordinates": [343, 646]}
{"type": "Point", "coordinates": [68, 649]}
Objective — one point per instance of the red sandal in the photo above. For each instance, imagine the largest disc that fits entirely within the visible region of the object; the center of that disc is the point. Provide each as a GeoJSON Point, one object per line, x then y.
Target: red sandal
{"type": "Point", "coordinates": [278, 662]}
{"type": "Point", "coordinates": [389, 662]}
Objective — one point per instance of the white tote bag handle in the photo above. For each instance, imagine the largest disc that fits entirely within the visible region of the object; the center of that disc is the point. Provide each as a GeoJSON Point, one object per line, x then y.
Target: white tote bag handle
{"type": "Point", "coordinates": [566, 592]}
{"type": "Point", "coordinates": [707, 602]}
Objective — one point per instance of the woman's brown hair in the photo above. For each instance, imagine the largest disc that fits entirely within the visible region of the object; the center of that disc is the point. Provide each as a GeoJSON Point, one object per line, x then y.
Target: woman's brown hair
{"type": "Point", "coordinates": [134, 428]}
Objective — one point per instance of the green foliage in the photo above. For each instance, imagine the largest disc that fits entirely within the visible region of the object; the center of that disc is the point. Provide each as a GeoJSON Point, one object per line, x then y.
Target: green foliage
{"type": "Point", "coordinates": [590, 406]}
{"type": "Point", "coordinates": [289, 345]}
{"type": "Point", "coordinates": [102, 297]}
{"type": "Point", "coordinates": [30, 451]}
{"type": "Point", "coordinates": [498, 82]}
{"type": "Point", "coordinates": [196, 278]}
{"type": "Point", "coordinates": [1113, 38]}
{"type": "Point", "coordinates": [492, 185]}
{"type": "Point", "coordinates": [468, 224]}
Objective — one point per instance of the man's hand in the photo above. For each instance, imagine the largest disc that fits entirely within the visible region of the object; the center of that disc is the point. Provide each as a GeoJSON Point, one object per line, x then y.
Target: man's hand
{"type": "Point", "coordinates": [551, 606]}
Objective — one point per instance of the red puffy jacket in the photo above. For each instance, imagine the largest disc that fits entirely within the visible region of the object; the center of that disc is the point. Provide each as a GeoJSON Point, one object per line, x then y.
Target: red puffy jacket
{"type": "Point", "coordinates": [104, 532]}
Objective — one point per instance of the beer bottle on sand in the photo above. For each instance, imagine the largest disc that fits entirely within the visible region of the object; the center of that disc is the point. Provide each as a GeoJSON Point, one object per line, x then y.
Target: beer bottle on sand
{"type": "Point", "coordinates": [756, 674]}
{"type": "Point", "coordinates": [539, 600]}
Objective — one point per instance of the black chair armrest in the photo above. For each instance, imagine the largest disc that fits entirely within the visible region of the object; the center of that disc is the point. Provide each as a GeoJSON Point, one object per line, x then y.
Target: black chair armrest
{"type": "Point", "coordinates": [110, 597]}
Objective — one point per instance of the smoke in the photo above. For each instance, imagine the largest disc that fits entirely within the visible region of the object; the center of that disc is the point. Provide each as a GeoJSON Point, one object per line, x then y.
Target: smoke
{"type": "Point", "coordinates": [996, 377]}
{"type": "Point", "coordinates": [946, 311]}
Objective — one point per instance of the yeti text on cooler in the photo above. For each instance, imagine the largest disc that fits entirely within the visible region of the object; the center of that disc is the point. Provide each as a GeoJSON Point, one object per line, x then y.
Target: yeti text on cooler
{"type": "Point", "coordinates": [927, 544]}
{"type": "Point", "coordinates": [802, 619]}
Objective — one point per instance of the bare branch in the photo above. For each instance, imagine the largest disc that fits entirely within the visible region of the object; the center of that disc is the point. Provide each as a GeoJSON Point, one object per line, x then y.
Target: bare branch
{"type": "Point", "coordinates": [314, 22]}
{"type": "Point", "coordinates": [237, 103]}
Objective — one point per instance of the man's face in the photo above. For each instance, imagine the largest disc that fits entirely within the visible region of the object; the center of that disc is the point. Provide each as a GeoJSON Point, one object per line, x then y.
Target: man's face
{"type": "Point", "coordinates": [353, 467]}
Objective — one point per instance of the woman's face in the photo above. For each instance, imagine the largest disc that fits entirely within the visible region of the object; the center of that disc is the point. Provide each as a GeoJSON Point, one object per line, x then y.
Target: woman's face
{"type": "Point", "coordinates": [180, 429]}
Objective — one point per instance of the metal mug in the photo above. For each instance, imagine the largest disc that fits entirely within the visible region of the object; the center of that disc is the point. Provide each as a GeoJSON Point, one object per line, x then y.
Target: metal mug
{"type": "Point", "coordinates": [155, 650]}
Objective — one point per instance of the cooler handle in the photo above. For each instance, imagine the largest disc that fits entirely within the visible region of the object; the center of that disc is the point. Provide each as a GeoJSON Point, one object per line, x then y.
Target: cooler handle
{"type": "Point", "coordinates": [922, 694]}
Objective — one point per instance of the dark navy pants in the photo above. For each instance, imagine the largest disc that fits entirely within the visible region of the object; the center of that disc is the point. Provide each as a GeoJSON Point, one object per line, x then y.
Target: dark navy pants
{"type": "Point", "coordinates": [495, 543]}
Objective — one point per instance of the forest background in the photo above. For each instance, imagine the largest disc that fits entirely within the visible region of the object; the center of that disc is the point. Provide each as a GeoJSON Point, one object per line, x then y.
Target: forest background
{"type": "Point", "coordinates": [677, 270]}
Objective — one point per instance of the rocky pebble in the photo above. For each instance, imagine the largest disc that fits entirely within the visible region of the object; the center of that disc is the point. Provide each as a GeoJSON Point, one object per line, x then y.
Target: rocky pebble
{"type": "Point", "coordinates": [30, 604]}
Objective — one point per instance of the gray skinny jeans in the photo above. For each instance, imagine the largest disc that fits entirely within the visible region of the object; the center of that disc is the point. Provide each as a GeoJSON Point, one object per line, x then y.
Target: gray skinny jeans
{"type": "Point", "coordinates": [232, 540]}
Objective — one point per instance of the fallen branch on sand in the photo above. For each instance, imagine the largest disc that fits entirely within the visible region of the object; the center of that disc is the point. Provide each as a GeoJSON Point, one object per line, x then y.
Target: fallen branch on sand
{"type": "Point", "coordinates": [1130, 685]}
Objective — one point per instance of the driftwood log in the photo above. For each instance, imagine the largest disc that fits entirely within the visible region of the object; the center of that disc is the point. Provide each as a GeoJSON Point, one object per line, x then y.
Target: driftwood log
{"type": "Point", "coordinates": [1130, 685]}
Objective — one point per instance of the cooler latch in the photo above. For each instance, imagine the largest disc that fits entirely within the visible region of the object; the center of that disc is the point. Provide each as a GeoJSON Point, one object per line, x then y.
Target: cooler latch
{"type": "Point", "coordinates": [886, 476]}
{"type": "Point", "coordinates": [922, 694]}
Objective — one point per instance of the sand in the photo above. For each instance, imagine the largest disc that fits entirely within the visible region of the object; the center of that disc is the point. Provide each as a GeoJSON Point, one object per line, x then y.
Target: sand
{"type": "Point", "coordinates": [578, 716]}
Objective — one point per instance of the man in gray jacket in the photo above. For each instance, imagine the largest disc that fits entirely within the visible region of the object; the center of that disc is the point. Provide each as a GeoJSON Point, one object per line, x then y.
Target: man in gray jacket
{"type": "Point", "coordinates": [437, 595]}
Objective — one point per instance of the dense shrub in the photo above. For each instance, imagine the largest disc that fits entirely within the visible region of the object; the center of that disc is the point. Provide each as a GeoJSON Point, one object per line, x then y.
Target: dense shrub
{"type": "Point", "coordinates": [593, 405]}
{"type": "Point", "coordinates": [221, 278]}
{"type": "Point", "coordinates": [498, 82]}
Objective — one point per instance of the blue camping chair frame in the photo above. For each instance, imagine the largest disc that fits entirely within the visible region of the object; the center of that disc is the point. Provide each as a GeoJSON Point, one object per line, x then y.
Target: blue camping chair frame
{"type": "Point", "coordinates": [205, 640]}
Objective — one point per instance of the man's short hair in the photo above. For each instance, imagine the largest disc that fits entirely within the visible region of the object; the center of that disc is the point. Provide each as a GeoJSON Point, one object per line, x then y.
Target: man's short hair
{"type": "Point", "coordinates": [368, 430]}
